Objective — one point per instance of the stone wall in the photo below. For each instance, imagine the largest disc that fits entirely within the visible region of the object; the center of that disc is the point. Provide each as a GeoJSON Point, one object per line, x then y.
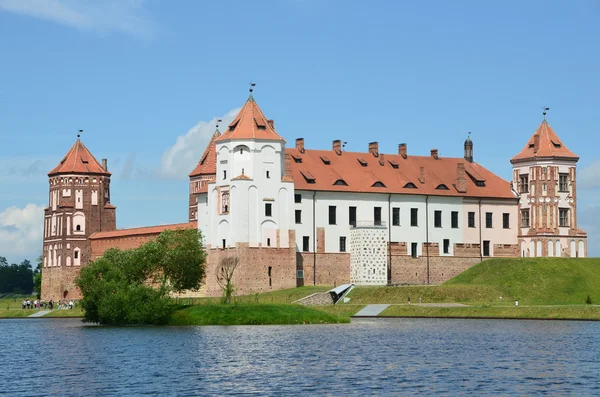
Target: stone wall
{"type": "Point", "coordinates": [320, 298]}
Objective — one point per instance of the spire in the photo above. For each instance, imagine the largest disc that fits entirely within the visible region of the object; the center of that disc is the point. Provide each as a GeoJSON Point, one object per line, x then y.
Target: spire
{"type": "Point", "coordinates": [250, 123]}
{"type": "Point", "coordinates": [79, 160]}
{"type": "Point", "coordinates": [544, 143]}
{"type": "Point", "coordinates": [469, 149]}
{"type": "Point", "coordinates": [208, 161]}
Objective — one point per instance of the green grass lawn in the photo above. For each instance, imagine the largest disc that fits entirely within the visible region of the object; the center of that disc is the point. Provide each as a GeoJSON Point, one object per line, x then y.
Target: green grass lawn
{"type": "Point", "coordinates": [533, 281]}
{"type": "Point", "coordinates": [253, 314]}
{"type": "Point", "coordinates": [75, 312]}
{"type": "Point", "coordinates": [15, 313]}
{"type": "Point", "coordinates": [541, 312]}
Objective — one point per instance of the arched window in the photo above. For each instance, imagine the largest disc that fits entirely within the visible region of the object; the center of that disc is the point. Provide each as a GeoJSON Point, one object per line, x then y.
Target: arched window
{"type": "Point", "coordinates": [78, 223]}
{"type": "Point", "coordinates": [410, 185]}
{"type": "Point", "coordinates": [378, 184]}
{"type": "Point", "coordinates": [442, 187]}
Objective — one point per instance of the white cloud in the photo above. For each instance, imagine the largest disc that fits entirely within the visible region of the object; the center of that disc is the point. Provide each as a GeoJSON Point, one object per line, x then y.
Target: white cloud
{"type": "Point", "coordinates": [180, 159]}
{"type": "Point", "coordinates": [127, 16]}
{"type": "Point", "coordinates": [589, 177]}
{"type": "Point", "coordinates": [588, 219]}
{"type": "Point", "coordinates": [21, 232]}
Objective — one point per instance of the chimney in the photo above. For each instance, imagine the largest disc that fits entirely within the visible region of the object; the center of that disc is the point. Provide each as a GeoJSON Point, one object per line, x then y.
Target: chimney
{"type": "Point", "coordinates": [337, 146]}
{"type": "Point", "coordinates": [271, 123]}
{"type": "Point", "coordinates": [287, 176]}
{"type": "Point", "coordinates": [381, 159]}
{"type": "Point", "coordinates": [536, 143]}
{"type": "Point", "coordinates": [461, 178]}
{"type": "Point", "coordinates": [422, 175]}
{"type": "Point", "coordinates": [434, 153]}
{"type": "Point", "coordinates": [105, 164]}
{"type": "Point", "coordinates": [402, 150]}
{"type": "Point", "coordinates": [374, 148]}
{"type": "Point", "coordinates": [300, 144]}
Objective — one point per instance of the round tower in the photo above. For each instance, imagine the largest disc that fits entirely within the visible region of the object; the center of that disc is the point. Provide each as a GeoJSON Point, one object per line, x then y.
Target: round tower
{"type": "Point", "coordinates": [78, 206]}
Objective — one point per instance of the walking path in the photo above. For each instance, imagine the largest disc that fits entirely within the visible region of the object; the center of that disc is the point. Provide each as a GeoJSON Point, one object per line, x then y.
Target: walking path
{"type": "Point", "coordinates": [371, 310]}
{"type": "Point", "coordinates": [40, 313]}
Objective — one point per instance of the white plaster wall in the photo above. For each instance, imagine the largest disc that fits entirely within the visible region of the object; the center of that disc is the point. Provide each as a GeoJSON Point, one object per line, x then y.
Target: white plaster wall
{"type": "Point", "coordinates": [368, 256]}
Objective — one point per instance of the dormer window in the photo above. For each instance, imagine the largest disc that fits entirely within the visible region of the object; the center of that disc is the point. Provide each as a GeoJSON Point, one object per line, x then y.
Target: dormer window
{"type": "Point", "coordinates": [340, 182]}
{"type": "Point", "coordinates": [325, 160]}
{"type": "Point", "coordinates": [394, 164]}
{"type": "Point", "coordinates": [410, 185]}
{"type": "Point", "coordinates": [363, 162]}
{"type": "Point", "coordinates": [556, 144]}
{"type": "Point", "coordinates": [297, 159]}
{"type": "Point", "coordinates": [531, 145]}
{"type": "Point", "coordinates": [84, 160]}
{"type": "Point", "coordinates": [308, 177]}
{"type": "Point", "coordinates": [260, 124]}
{"type": "Point", "coordinates": [232, 126]}
{"type": "Point", "coordinates": [378, 184]}
{"type": "Point", "coordinates": [442, 187]}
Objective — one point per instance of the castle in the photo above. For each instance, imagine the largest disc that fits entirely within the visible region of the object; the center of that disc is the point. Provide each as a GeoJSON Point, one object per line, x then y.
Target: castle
{"type": "Point", "coordinates": [296, 216]}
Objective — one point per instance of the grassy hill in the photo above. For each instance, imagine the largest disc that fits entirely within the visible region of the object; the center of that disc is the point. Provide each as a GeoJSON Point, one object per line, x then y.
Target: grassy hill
{"type": "Point", "coordinates": [534, 281]}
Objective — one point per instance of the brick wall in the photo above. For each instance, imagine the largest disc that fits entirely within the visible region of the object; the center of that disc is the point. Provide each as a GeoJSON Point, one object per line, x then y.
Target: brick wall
{"type": "Point", "coordinates": [408, 270]}
{"type": "Point", "coordinates": [506, 250]}
{"type": "Point", "coordinates": [332, 268]}
{"type": "Point", "coordinates": [99, 246]}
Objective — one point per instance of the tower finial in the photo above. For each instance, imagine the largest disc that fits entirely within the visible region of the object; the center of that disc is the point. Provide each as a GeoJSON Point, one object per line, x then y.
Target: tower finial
{"type": "Point", "coordinates": [79, 134]}
{"type": "Point", "coordinates": [545, 112]}
{"type": "Point", "coordinates": [252, 85]}
{"type": "Point", "coordinates": [218, 122]}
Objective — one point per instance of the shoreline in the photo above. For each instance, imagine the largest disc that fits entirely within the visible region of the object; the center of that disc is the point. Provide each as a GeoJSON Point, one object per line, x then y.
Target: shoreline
{"type": "Point", "coordinates": [478, 318]}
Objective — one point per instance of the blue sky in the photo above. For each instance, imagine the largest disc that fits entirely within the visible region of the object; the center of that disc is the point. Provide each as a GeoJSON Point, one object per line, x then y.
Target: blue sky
{"type": "Point", "coordinates": [146, 81]}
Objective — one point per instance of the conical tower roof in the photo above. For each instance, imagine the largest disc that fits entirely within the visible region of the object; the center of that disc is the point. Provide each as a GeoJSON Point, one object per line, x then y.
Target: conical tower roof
{"type": "Point", "coordinates": [208, 162]}
{"type": "Point", "coordinates": [250, 123]}
{"type": "Point", "coordinates": [544, 143]}
{"type": "Point", "coordinates": [79, 160]}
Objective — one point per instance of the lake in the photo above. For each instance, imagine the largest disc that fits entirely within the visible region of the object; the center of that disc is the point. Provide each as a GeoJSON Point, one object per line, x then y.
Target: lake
{"type": "Point", "coordinates": [368, 357]}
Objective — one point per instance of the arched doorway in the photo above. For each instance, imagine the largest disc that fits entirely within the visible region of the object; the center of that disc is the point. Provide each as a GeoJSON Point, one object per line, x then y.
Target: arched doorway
{"type": "Point", "coordinates": [65, 293]}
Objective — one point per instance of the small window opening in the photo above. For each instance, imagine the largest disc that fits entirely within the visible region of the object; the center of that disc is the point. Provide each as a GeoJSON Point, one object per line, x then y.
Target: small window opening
{"type": "Point", "coordinates": [224, 243]}
{"type": "Point", "coordinates": [268, 244]}
{"type": "Point", "coordinates": [410, 185]}
{"type": "Point", "coordinates": [268, 175]}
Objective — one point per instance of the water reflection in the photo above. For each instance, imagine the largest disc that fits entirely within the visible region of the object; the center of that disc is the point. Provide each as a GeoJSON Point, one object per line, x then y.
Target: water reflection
{"type": "Point", "coordinates": [368, 357]}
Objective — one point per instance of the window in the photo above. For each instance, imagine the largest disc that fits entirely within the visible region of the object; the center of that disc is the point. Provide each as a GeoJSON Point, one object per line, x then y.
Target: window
{"type": "Point", "coordinates": [488, 220]}
{"type": "Point", "coordinates": [524, 180]}
{"type": "Point", "coordinates": [224, 242]}
{"type": "Point", "coordinates": [413, 249]}
{"type": "Point", "coordinates": [410, 185]}
{"type": "Point", "coordinates": [396, 216]}
{"type": "Point", "coordinates": [340, 182]}
{"type": "Point", "coordinates": [442, 187]}
{"type": "Point", "coordinates": [305, 243]}
{"type": "Point", "coordinates": [224, 174]}
{"type": "Point", "coordinates": [446, 246]}
{"type": "Point", "coordinates": [268, 207]}
{"type": "Point", "coordinates": [297, 198]}
{"type": "Point", "coordinates": [76, 254]}
{"type": "Point", "coordinates": [377, 216]}
{"type": "Point", "coordinates": [78, 228]}
{"type": "Point", "coordinates": [298, 216]}
{"type": "Point", "coordinates": [268, 242]}
{"type": "Point", "coordinates": [506, 221]}
{"type": "Point", "coordinates": [414, 213]}
{"type": "Point", "coordinates": [332, 213]}
{"type": "Point", "coordinates": [563, 182]}
{"type": "Point", "coordinates": [563, 217]}
{"type": "Point", "coordinates": [437, 218]}
{"type": "Point", "coordinates": [343, 244]}
{"type": "Point", "coordinates": [268, 175]}
{"type": "Point", "coordinates": [352, 216]}
{"type": "Point", "coordinates": [378, 184]}
{"type": "Point", "coordinates": [471, 219]}
{"type": "Point", "coordinates": [486, 248]}
{"type": "Point", "coordinates": [525, 218]}
{"type": "Point", "coordinates": [225, 202]}
{"type": "Point", "coordinates": [544, 187]}
{"type": "Point", "coordinates": [454, 219]}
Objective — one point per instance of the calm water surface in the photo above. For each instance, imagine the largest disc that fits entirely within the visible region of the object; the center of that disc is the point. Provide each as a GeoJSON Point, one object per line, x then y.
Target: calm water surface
{"type": "Point", "coordinates": [368, 357]}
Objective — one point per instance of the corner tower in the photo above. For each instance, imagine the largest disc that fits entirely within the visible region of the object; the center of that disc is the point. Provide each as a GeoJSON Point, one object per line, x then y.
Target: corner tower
{"type": "Point", "coordinates": [544, 174]}
{"type": "Point", "coordinates": [79, 205]}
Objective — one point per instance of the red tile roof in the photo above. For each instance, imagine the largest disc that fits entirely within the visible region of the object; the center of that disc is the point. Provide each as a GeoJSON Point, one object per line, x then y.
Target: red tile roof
{"type": "Point", "coordinates": [142, 230]}
{"type": "Point", "coordinates": [208, 162]}
{"type": "Point", "coordinates": [549, 145]}
{"type": "Point", "coordinates": [79, 160]}
{"type": "Point", "coordinates": [345, 173]}
{"type": "Point", "coordinates": [250, 123]}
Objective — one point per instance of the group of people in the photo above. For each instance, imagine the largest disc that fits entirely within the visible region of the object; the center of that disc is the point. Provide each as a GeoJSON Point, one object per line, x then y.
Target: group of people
{"type": "Point", "coordinates": [40, 304]}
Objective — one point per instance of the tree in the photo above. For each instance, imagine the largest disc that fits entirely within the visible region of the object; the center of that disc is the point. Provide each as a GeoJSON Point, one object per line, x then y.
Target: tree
{"type": "Point", "coordinates": [132, 286]}
{"type": "Point", "coordinates": [225, 272]}
{"type": "Point", "coordinates": [37, 277]}
{"type": "Point", "coordinates": [16, 279]}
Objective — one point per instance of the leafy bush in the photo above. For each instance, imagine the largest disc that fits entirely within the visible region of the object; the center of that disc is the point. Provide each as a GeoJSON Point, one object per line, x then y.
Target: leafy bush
{"type": "Point", "coordinates": [132, 286]}
{"type": "Point", "coordinates": [588, 300]}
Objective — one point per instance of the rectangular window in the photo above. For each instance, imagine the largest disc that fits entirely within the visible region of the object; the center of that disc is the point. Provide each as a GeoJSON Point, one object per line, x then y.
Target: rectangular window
{"type": "Point", "coordinates": [224, 243]}
{"type": "Point", "coordinates": [563, 182]}
{"type": "Point", "coordinates": [305, 243]}
{"type": "Point", "coordinates": [471, 219]}
{"type": "Point", "coordinates": [396, 216]}
{"type": "Point", "coordinates": [486, 248]}
{"type": "Point", "coordinates": [488, 220]}
{"type": "Point", "coordinates": [343, 244]}
{"type": "Point", "coordinates": [377, 216]}
{"type": "Point", "coordinates": [524, 180]}
{"type": "Point", "coordinates": [454, 219]}
{"type": "Point", "coordinates": [268, 242]}
{"type": "Point", "coordinates": [224, 174]}
{"type": "Point", "coordinates": [446, 246]}
{"type": "Point", "coordinates": [268, 207]}
{"type": "Point", "coordinates": [268, 174]}
{"type": "Point", "coordinates": [332, 215]}
{"type": "Point", "coordinates": [563, 217]}
{"type": "Point", "coordinates": [297, 198]}
{"type": "Point", "coordinates": [437, 218]}
{"type": "Point", "coordinates": [413, 249]}
{"type": "Point", "coordinates": [352, 216]}
{"type": "Point", "coordinates": [414, 217]}
{"type": "Point", "coordinates": [298, 216]}
{"type": "Point", "coordinates": [506, 221]}
{"type": "Point", "coordinates": [525, 218]}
